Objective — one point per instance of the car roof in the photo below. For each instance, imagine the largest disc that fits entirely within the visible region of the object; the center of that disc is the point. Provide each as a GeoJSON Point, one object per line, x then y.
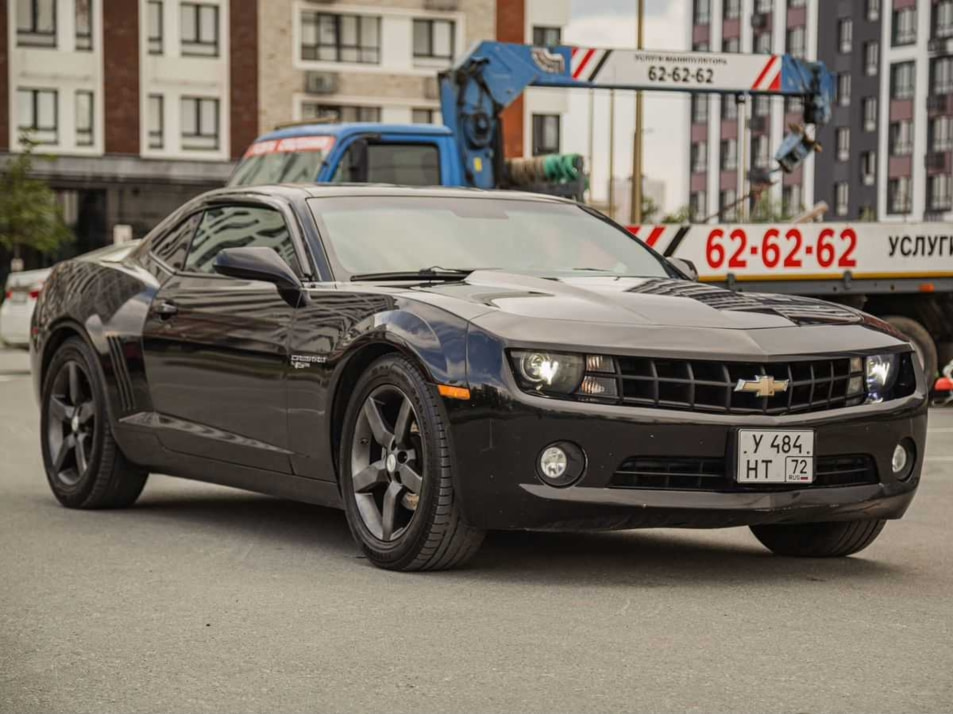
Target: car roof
{"type": "Point", "coordinates": [299, 191]}
{"type": "Point", "coordinates": [341, 131]}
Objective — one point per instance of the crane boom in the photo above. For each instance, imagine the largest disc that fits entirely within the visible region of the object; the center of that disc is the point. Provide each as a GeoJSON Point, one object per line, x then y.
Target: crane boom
{"type": "Point", "coordinates": [494, 74]}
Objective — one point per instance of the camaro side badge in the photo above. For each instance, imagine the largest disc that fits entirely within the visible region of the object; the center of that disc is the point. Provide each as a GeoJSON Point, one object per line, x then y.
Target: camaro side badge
{"type": "Point", "coordinates": [763, 386]}
{"type": "Point", "coordinates": [305, 361]}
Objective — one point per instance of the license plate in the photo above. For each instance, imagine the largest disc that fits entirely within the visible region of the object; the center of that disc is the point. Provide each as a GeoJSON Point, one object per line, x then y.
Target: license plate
{"type": "Point", "coordinates": [18, 297]}
{"type": "Point", "coordinates": [775, 456]}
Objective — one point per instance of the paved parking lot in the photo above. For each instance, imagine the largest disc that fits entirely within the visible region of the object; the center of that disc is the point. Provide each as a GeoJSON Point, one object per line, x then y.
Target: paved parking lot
{"type": "Point", "coordinates": [206, 599]}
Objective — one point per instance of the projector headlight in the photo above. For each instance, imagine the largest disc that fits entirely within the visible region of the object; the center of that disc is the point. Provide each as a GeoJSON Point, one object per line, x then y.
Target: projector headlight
{"type": "Point", "coordinates": [881, 375]}
{"type": "Point", "coordinates": [549, 371]}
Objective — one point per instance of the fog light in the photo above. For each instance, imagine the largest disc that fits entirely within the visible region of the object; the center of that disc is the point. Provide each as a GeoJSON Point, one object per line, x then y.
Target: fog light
{"type": "Point", "coordinates": [899, 461]}
{"type": "Point", "coordinates": [561, 464]}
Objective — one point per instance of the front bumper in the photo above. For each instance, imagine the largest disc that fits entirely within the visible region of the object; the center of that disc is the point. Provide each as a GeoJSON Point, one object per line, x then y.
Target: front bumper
{"type": "Point", "coordinates": [498, 436]}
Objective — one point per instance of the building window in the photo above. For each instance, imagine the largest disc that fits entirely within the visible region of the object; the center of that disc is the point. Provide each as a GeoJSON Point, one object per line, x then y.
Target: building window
{"type": "Point", "coordinates": [899, 199]}
{"type": "Point", "coordinates": [870, 114]}
{"type": "Point", "coordinates": [763, 6]}
{"type": "Point", "coordinates": [795, 42]}
{"type": "Point", "coordinates": [729, 108]}
{"type": "Point", "coordinates": [761, 152]}
{"type": "Point", "coordinates": [905, 26]}
{"type": "Point", "coordinates": [940, 192]}
{"type": "Point", "coordinates": [423, 116]}
{"type": "Point", "coordinates": [762, 43]}
{"type": "Point", "coordinates": [156, 121]}
{"type": "Point", "coordinates": [943, 19]}
{"type": "Point", "coordinates": [546, 130]}
{"type": "Point", "coordinates": [699, 109]}
{"type": "Point", "coordinates": [340, 112]}
{"type": "Point", "coordinates": [871, 58]}
{"type": "Point", "coordinates": [697, 206]}
{"type": "Point", "coordinates": [340, 38]}
{"type": "Point", "coordinates": [154, 27]}
{"type": "Point", "coordinates": [845, 35]}
{"type": "Point", "coordinates": [434, 39]}
{"type": "Point", "coordinates": [843, 143]}
{"type": "Point", "coordinates": [728, 205]}
{"type": "Point", "coordinates": [868, 168]}
{"type": "Point", "coordinates": [873, 10]}
{"type": "Point", "coordinates": [841, 198]}
{"type": "Point", "coordinates": [797, 3]}
{"type": "Point", "coordinates": [901, 138]}
{"type": "Point", "coordinates": [36, 23]}
{"type": "Point", "coordinates": [39, 115]}
{"type": "Point", "coordinates": [729, 155]}
{"type": "Point", "coordinates": [731, 45]}
{"type": "Point", "coordinates": [547, 36]}
{"type": "Point", "coordinates": [941, 134]}
{"type": "Point", "coordinates": [84, 25]}
{"type": "Point", "coordinates": [843, 89]}
{"type": "Point", "coordinates": [699, 154]}
{"type": "Point", "coordinates": [701, 14]}
{"type": "Point", "coordinates": [700, 46]}
{"type": "Point", "coordinates": [902, 80]}
{"type": "Point", "coordinates": [761, 106]}
{"type": "Point", "coordinates": [941, 75]}
{"type": "Point", "coordinates": [199, 30]}
{"type": "Point", "coordinates": [84, 118]}
{"type": "Point", "coordinates": [793, 105]}
{"type": "Point", "coordinates": [200, 124]}
{"type": "Point", "coordinates": [791, 202]}
{"type": "Point", "coordinates": [731, 9]}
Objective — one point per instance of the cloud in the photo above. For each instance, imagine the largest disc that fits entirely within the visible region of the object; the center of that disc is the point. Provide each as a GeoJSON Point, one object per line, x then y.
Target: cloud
{"type": "Point", "coordinates": [611, 23]}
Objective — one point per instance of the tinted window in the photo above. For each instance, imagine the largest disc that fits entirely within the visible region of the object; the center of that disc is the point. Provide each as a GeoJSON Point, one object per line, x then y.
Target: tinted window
{"type": "Point", "coordinates": [172, 247]}
{"type": "Point", "coordinates": [239, 227]}
{"type": "Point", "coordinates": [410, 233]}
{"type": "Point", "coordinates": [401, 164]}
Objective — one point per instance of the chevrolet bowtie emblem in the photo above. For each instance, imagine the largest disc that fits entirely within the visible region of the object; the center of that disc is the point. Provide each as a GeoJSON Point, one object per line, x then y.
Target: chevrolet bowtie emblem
{"type": "Point", "coordinates": [763, 386]}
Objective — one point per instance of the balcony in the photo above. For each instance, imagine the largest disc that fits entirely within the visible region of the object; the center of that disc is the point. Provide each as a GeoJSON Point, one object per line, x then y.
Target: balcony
{"type": "Point", "coordinates": [940, 46]}
{"type": "Point", "coordinates": [938, 162]}
{"type": "Point", "coordinates": [940, 104]}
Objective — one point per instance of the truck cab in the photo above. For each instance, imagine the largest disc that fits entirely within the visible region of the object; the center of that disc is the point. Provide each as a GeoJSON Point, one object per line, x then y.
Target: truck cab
{"type": "Point", "coordinates": [405, 154]}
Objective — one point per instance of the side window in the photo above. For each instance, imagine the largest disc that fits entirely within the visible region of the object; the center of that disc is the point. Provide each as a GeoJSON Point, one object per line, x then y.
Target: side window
{"type": "Point", "coordinates": [172, 247]}
{"type": "Point", "coordinates": [403, 164]}
{"type": "Point", "coordinates": [239, 227]}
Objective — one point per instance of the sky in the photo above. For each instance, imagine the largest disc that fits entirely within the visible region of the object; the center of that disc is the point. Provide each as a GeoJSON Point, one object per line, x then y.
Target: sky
{"type": "Point", "coordinates": [612, 23]}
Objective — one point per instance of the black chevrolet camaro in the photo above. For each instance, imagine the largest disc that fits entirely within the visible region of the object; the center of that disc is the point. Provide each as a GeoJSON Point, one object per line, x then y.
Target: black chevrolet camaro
{"type": "Point", "coordinates": [443, 362]}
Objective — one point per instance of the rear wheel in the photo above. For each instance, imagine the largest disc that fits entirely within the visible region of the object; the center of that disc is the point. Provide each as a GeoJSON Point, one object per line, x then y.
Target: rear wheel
{"type": "Point", "coordinates": [84, 466]}
{"type": "Point", "coordinates": [819, 540]}
{"type": "Point", "coordinates": [396, 478]}
{"type": "Point", "coordinates": [921, 340]}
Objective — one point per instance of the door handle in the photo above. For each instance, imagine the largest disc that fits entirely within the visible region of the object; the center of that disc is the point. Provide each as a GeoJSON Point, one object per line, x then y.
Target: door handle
{"type": "Point", "coordinates": [166, 309]}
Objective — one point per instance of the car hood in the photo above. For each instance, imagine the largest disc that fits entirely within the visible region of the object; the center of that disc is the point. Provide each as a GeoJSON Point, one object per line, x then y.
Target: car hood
{"type": "Point", "coordinates": [645, 302]}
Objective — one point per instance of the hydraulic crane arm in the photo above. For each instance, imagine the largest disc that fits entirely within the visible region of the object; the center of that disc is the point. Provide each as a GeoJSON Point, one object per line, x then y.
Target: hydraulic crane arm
{"type": "Point", "coordinates": [494, 74]}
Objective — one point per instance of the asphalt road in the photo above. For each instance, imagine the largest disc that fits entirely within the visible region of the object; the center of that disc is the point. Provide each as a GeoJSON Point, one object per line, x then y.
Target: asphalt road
{"type": "Point", "coordinates": [208, 599]}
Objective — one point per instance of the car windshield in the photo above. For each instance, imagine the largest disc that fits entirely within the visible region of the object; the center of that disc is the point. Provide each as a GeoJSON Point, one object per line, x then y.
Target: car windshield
{"type": "Point", "coordinates": [278, 167]}
{"type": "Point", "coordinates": [381, 234]}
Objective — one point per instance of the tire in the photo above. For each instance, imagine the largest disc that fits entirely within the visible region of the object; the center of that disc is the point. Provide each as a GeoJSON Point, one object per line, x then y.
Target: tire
{"type": "Point", "coordinates": [92, 473]}
{"type": "Point", "coordinates": [396, 459]}
{"type": "Point", "coordinates": [921, 340]}
{"type": "Point", "coordinates": [819, 540]}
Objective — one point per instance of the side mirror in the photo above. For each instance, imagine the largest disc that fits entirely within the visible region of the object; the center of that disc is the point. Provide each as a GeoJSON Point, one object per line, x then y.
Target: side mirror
{"type": "Point", "coordinates": [262, 264]}
{"type": "Point", "coordinates": [685, 267]}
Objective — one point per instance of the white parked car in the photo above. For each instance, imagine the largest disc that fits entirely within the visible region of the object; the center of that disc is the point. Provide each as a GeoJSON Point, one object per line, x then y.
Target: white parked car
{"type": "Point", "coordinates": [23, 289]}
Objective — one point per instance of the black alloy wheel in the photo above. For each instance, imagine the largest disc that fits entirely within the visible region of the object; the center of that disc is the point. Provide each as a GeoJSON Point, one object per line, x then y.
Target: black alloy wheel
{"type": "Point", "coordinates": [71, 423]}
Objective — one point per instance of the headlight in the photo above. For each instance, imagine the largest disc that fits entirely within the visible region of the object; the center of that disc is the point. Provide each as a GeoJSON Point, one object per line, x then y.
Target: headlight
{"type": "Point", "coordinates": [549, 371]}
{"type": "Point", "coordinates": [881, 375]}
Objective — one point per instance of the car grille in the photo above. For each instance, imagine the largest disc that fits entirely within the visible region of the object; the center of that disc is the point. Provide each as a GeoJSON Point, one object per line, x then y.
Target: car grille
{"type": "Point", "coordinates": [710, 474]}
{"type": "Point", "coordinates": [710, 386]}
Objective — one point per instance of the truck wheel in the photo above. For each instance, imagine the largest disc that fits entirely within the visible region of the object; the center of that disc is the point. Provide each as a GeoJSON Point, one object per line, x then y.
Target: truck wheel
{"type": "Point", "coordinates": [921, 340]}
{"type": "Point", "coordinates": [819, 540]}
{"type": "Point", "coordinates": [84, 465]}
{"type": "Point", "coordinates": [396, 473]}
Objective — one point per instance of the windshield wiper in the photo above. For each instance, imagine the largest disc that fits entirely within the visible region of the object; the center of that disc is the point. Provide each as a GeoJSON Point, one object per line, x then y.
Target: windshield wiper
{"type": "Point", "coordinates": [432, 273]}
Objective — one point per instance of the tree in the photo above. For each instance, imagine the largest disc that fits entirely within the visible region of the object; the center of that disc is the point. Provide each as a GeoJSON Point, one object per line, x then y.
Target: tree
{"type": "Point", "coordinates": [649, 209]}
{"type": "Point", "coordinates": [682, 215]}
{"type": "Point", "coordinates": [768, 210]}
{"type": "Point", "coordinates": [29, 214]}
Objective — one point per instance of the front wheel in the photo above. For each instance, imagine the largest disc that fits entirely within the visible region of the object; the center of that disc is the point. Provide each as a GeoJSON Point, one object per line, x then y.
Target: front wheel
{"type": "Point", "coordinates": [395, 466]}
{"type": "Point", "coordinates": [819, 540]}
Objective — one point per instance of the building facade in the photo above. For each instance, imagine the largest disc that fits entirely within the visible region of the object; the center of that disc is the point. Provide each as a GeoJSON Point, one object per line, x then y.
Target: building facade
{"type": "Point", "coordinates": [145, 103]}
{"type": "Point", "coordinates": [887, 151]}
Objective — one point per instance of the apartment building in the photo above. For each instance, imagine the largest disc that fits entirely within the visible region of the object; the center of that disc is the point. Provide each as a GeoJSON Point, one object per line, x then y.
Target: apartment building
{"type": "Point", "coordinates": [887, 151]}
{"type": "Point", "coordinates": [145, 103]}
